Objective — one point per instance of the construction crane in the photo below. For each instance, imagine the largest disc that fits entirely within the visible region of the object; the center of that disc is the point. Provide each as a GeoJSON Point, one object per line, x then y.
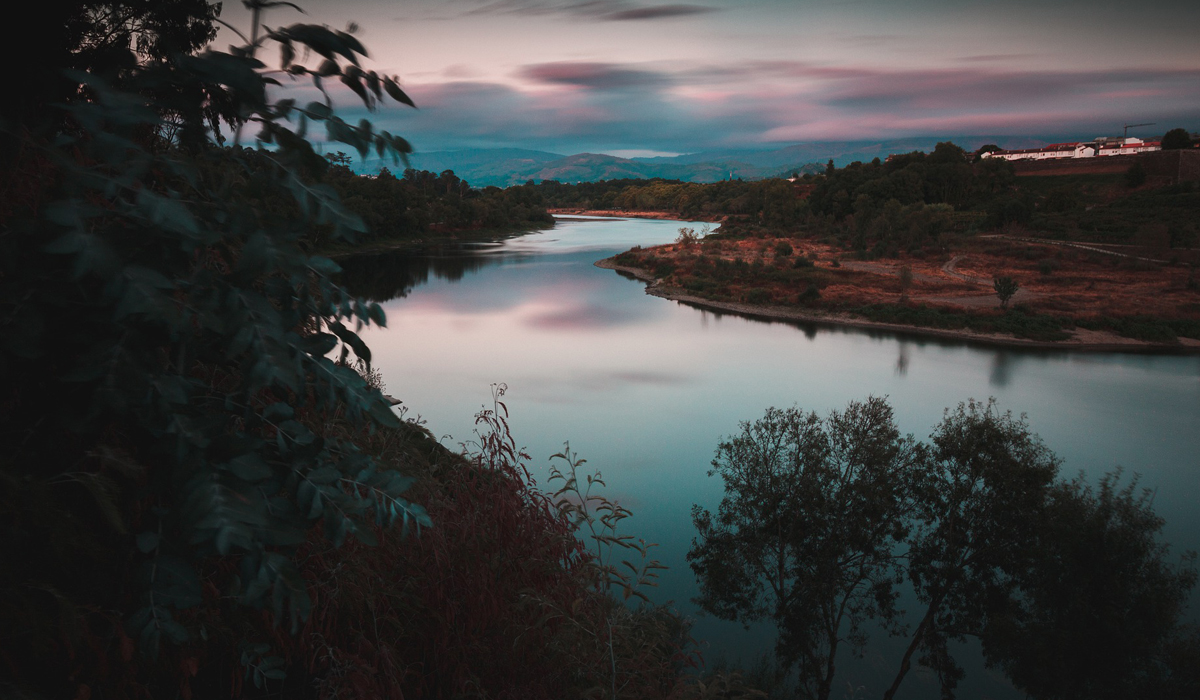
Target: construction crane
{"type": "Point", "coordinates": [1129, 126]}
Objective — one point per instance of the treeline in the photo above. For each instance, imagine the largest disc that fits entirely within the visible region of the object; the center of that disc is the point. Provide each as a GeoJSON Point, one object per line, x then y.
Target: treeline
{"type": "Point", "coordinates": [910, 203]}
{"type": "Point", "coordinates": [770, 202]}
{"type": "Point", "coordinates": [420, 203]}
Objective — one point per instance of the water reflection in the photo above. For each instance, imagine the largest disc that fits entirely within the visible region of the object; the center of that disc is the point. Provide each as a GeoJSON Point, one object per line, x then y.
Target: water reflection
{"type": "Point", "coordinates": [902, 360]}
{"type": "Point", "coordinates": [1000, 375]}
{"type": "Point", "coordinates": [644, 388]}
{"type": "Point", "coordinates": [393, 274]}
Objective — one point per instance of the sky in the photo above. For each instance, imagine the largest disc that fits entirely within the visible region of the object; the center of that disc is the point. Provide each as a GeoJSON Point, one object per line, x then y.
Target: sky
{"type": "Point", "coordinates": [654, 77]}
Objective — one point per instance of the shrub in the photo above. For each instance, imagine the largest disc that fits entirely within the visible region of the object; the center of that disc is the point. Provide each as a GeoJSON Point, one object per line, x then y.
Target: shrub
{"type": "Point", "coordinates": [783, 249]}
{"type": "Point", "coordinates": [1135, 176]}
{"type": "Point", "coordinates": [758, 295]}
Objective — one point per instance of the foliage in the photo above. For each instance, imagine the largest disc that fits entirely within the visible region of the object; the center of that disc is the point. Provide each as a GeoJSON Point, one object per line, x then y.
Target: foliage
{"type": "Point", "coordinates": [772, 202]}
{"type": "Point", "coordinates": [1135, 175]}
{"type": "Point", "coordinates": [500, 599]}
{"type": "Point", "coordinates": [1068, 587]}
{"type": "Point", "coordinates": [183, 339]}
{"type": "Point", "coordinates": [807, 530]}
{"type": "Point", "coordinates": [1098, 612]}
{"type": "Point", "coordinates": [1176, 139]}
{"type": "Point", "coordinates": [1005, 288]}
{"type": "Point", "coordinates": [596, 518]}
{"type": "Point", "coordinates": [689, 236]}
{"type": "Point", "coordinates": [1017, 322]}
{"type": "Point", "coordinates": [421, 203]}
{"type": "Point", "coordinates": [987, 474]}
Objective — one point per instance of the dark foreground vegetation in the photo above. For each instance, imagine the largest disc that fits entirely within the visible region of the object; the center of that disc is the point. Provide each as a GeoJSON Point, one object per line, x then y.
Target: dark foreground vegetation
{"type": "Point", "coordinates": [205, 492]}
{"type": "Point", "coordinates": [1066, 584]}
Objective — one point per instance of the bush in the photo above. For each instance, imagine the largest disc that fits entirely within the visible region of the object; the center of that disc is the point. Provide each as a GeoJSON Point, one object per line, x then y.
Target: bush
{"type": "Point", "coordinates": [758, 295]}
{"type": "Point", "coordinates": [783, 249]}
{"type": "Point", "coordinates": [1135, 176]}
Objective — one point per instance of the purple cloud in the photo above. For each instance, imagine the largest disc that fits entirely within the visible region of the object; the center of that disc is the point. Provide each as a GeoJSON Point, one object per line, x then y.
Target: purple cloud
{"type": "Point", "coordinates": [658, 12]}
{"type": "Point", "coordinates": [573, 107]}
{"type": "Point", "coordinates": [604, 10]}
{"type": "Point", "coordinates": [598, 76]}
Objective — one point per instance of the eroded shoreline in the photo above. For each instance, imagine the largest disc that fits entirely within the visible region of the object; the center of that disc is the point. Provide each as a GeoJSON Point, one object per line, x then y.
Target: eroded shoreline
{"type": "Point", "coordinates": [1081, 340]}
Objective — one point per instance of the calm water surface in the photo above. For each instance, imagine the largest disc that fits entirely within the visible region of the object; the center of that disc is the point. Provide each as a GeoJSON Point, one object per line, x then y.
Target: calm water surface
{"type": "Point", "coordinates": [644, 387]}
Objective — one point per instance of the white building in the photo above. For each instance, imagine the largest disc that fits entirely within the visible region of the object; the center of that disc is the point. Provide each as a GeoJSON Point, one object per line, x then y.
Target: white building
{"type": "Point", "coordinates": [1102, 146]}
{"type": "Point", "coordinates": [1122, 147]}
{"type": "Point", "coordinates": [1053, 151]}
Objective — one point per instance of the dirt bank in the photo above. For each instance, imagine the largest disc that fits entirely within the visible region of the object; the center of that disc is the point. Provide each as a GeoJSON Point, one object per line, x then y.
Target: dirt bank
{"type": "Point", "coordinates": [1081, 340]}
{"type": "Point", "coordinates": [622, 214]}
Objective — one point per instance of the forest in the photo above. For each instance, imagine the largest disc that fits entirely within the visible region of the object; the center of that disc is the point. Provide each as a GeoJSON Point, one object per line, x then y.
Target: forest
{"type": "Point", "coordinates": [421, 205]}
{"type": "Point", "coordinates": [916, 202]}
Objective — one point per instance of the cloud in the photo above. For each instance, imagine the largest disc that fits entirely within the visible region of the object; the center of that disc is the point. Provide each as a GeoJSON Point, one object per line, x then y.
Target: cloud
{"type": "Point", "coordinates": [598, 76]}
{"type": "Point", "coordinates": [574, 107]}
{"type": "Point", "coordinates": [658, 12]}
{"type": "Point", "coordinates": [603, 10]}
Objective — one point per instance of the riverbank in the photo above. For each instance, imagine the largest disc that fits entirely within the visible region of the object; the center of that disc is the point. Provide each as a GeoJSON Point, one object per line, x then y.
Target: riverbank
{"type": "Point", "coordinates": [431, 239]}
{"type": "Point", "coordinates": [627, 214]}
{"type": "Point", "coordinates": [1081, 339]}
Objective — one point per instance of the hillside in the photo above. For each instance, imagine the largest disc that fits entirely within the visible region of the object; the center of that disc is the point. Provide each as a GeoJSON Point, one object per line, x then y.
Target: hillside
{"type": "Point", "coordinates": [502, 167]}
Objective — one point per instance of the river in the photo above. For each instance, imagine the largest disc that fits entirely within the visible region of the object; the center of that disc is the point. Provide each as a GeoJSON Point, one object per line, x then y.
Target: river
{"type": "Point", "coordinates": [644, 387]}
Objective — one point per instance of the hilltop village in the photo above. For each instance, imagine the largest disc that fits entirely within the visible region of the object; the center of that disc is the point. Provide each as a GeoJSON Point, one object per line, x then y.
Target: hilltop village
{"type": "Point", "coordinates": [1101, 146]}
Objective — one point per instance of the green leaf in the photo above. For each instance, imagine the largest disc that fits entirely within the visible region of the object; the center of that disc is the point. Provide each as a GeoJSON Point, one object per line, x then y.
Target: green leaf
{"type": "Point", "coordinates": [250, 467]}
{"type": "Point", "coordinates": [147, 542]}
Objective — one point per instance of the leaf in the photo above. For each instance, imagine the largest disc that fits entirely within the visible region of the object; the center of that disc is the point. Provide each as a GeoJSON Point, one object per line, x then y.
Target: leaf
{"type": "Point", "coordinates": [319, 110]}
{"type": "Point", "coordinates": [393, 90]}
{"type": "Point", "coordinates": [147, 542]}
{"type": "Point", "coordinates": [351, 338]}
{"type": "Point", "coordinates": [327, 68]}
{"type": "Point", "coordinates": [250, 467]}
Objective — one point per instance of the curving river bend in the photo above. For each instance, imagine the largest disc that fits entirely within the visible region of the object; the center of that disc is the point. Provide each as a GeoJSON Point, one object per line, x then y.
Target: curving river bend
{"type": "Point", "coordinates": [643, 387]}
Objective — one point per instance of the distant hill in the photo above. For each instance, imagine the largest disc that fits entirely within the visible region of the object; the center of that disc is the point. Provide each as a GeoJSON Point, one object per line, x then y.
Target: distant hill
{"type": "Point", "coordinates": [510, 166]}
{"type": "Point", "coordinates": [504, 167]}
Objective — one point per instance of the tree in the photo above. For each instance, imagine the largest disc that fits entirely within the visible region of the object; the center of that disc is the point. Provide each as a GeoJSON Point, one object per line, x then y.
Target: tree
{"type": "Point", "coordinates": [1176, 139]}
{"type": "Point", "coordinates": [1099, 604]}
{"type": "Point", "coordinates": [985, 475]}
{"type": "Point", "coordinates": [986, 148]}
{"type": "Point", "coordinates": [1068, 587]}
{"type": "Point", "coordinates": [806, 533]}
{"type": "Point", "coordinates": [1135, 175]}
{"type": "Point", "coordinates": [1005, 287]}
{"type": "Point", "coordinates": [196, 338]}
{"type": "Point", "coordinates": [906, 279]}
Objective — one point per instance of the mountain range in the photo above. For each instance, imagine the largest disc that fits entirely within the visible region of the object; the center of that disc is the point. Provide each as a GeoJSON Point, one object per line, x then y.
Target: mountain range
{"type": "Point", "coordinates": [502, 167]}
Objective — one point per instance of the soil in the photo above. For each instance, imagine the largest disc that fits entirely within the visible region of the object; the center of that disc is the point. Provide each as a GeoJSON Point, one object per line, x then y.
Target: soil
{"type": "Point", "coordinates": [1068, 282]}
{"type": "Point", "coordinates": [624, 214]}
